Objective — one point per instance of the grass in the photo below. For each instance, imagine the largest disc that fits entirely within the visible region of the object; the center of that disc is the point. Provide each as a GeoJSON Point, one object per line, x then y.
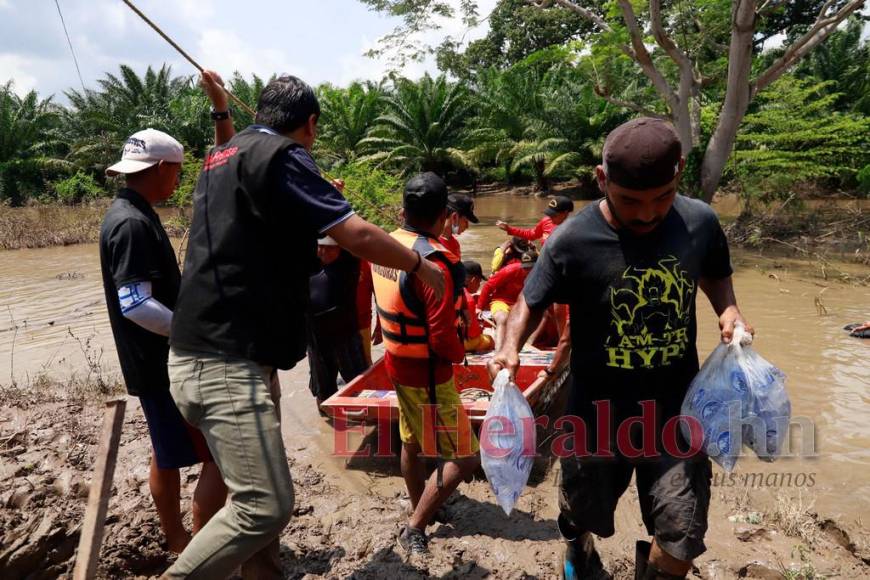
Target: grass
{"type": "Point", "coordinates": [45, 225]}
{"type": "Point", "coordinates": [93, 383]}
{"type": "Point", "coordinates": [795, 518]}
{"type": "Point", "coordinates": [41, 226]}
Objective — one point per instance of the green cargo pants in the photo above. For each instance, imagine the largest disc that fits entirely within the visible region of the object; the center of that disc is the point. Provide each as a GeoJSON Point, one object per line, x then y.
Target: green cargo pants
{"type": "Point", "coordinates": [235, 403]}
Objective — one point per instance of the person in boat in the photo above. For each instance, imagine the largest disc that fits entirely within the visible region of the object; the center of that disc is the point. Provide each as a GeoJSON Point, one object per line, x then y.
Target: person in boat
{"type": "Point", "coordinates": [501, 291]}
{"type": "Point", "coordinates": [364, 297]}
{"type": "Point", "coordinates": [630, 267]}
{"type": "Point", "coordinates": [422, 344]}
{"type": "Point", "coordinates": [461, 213]}
{"type": "Point", "coordinates": [476, 340]}
{"type": "Point", "coordinates": [140, 280]}
{"type": "Point", "coordinates": [558, 210]}
{"type": "Point", "coordinates": [259, 206]}
{"type": "Point", "coordinates": [508, 252]}
{"type": "Point", "coordinates": [335, 344]}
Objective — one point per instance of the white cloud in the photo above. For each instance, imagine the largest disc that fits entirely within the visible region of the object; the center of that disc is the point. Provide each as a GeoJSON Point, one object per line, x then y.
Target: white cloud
{"type": "Point", "coordinates": [225, 51]}
{"type": "Point", "coordinates": [18, 68]}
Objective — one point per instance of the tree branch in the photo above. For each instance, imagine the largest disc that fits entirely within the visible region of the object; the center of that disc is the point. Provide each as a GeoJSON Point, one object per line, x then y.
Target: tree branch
{"type": "Point", "coordinates": [643, 58]}
{"type": "Point", "coordinates": [605, 94]}
{"type": "Point", "coordinates": [584, 12]}
{"type": "Point", "coordinates": [662, 38]}
{"type": "Point", "coordinates": [820, 30]}
{"type": "Point", "coordinates": [596, 19]}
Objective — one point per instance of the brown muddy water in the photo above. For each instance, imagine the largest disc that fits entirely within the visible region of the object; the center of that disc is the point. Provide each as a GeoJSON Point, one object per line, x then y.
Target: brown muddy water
{"type": "Point", "coordinates": [53, 320]}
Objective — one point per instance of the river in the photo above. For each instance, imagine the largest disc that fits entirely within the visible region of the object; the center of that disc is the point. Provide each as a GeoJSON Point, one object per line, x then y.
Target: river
{"type": "Point", "coordinates": [53, 319]}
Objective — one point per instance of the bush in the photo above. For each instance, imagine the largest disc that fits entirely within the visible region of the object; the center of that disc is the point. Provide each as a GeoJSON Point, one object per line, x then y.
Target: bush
{"type": "Point", "coordinates": [190, 170]}
{"type": "Point", "coordinates": [864, 180]}
{"type": "Point", "coordinates": [374, 194]}
{"type": "Point", "coordinates": [77, 188]}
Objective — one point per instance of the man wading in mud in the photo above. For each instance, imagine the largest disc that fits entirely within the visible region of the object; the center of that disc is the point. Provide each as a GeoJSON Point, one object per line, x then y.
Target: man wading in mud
{"type": "Point", "coordinates": [259, 206]}
{"type": "Point", "coordinates": [629, 266]}
{"type": "Point", "coordinates": [140, 279]}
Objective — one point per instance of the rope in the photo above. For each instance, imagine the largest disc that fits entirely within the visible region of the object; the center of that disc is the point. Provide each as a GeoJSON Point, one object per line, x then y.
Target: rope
{"type": "Point", "coordinates": [69, 42]}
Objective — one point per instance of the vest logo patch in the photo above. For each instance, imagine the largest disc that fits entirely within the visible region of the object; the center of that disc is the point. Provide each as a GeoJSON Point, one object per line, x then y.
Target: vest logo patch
{"type": "Point", "coordinates": [219, 158]}
{"type": "Point", "coordinates": [388, 273]}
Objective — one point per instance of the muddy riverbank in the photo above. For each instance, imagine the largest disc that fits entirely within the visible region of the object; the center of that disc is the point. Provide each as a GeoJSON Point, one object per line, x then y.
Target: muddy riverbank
{"type": "Point", "coordinates": [347, 512]}
{"type": "Point", "coordinates": [826, 227]}
{"type": "Point", "coordinates": [807, 512]}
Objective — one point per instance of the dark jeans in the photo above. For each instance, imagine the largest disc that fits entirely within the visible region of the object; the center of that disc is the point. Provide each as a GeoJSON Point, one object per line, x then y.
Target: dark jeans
{"type": "Point", "coordinates": [327, 357]}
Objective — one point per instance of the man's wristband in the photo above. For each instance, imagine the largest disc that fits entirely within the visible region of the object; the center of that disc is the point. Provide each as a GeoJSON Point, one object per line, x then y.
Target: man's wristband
{"type": "Point", "coordinates": [418, 264]}
{"type": "Point", "coordinates": [220, 115]}
{"type": "Point", "coordinates": [549, 372]}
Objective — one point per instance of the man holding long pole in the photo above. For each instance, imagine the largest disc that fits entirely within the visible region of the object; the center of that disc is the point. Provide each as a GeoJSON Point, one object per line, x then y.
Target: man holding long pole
{"type": "Point", "coordinates": [259, 206]}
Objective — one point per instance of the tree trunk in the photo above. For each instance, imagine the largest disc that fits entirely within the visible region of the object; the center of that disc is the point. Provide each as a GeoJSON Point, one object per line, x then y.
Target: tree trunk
{"type": "Point", "coordinates": [543, 184]}
{"type": "Point", "coordinates": [737, 97]}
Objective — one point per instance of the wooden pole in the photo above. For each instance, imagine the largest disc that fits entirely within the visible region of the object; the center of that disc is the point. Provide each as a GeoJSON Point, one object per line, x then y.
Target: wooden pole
{"type": "Point", "coordinates": [381, 211]}
{"type": "Point", "coordinates": [101, 486]}
{"type": "Point", "coordinates": [189, 58]}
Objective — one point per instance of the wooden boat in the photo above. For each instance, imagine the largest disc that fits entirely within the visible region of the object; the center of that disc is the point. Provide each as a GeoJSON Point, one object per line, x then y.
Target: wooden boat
{"type": "Point", "coordinates": [371, 395]}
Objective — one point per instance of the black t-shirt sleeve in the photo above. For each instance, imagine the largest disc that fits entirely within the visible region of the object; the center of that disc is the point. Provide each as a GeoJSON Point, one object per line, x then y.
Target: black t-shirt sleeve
{"type": "Point", "coordinates": [321, 205]}
{"type": "Point", "coordinates": [546, 282]}
{"type": "Point", "coordinates": [717, 259]}
{"type": "Point", "coordinates": [134, 253]}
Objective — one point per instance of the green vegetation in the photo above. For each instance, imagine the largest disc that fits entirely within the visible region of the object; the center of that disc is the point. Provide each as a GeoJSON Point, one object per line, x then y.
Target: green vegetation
{"type": "Point", "coordinates": [531, 104]}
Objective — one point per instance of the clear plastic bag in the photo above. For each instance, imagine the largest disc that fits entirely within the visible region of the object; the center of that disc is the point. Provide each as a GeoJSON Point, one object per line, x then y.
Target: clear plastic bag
{"type": "Point", "coordinates": [738, 397]}
{"type": "Point", "coordinates": [507, 439]}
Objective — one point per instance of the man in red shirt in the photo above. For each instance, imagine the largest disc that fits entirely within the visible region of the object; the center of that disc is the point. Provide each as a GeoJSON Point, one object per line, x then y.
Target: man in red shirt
{"type": "Point", "coordinates": [475, 339]}
{"type": "Point", "coordinates": [460, 211]}
{"type": "Point", "coordinates": [422, 343]}
{"type": "Point", "coordinates": [557, 211]}
{"type": "Point", "coordinates": [502, 290]}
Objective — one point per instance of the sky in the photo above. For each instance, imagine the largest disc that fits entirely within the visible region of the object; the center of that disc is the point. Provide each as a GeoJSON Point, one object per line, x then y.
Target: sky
{"type": "Point", "coordinates": [317, 40]}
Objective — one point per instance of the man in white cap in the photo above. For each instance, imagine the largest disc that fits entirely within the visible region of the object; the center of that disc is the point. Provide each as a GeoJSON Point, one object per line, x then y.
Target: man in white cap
{"type": "Point", "coordinates": [141, 281]}
{"type": "Point", "coordinates": [334, 342]}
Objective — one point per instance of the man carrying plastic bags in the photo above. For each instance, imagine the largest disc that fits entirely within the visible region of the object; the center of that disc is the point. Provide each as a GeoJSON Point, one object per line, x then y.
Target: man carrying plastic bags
{"type": "Point", "coordinates": [630, 266]}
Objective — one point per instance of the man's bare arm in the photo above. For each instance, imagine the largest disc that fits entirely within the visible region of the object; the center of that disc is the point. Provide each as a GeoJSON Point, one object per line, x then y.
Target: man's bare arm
{"type": "Point", "coordinates": [724, 302]}
{"type": "Point", "coordinates": [371, 243]}
{"type": "Point", "coordinates": [522, 321]}
{"type": "Point", "coordinates": [213, 86]}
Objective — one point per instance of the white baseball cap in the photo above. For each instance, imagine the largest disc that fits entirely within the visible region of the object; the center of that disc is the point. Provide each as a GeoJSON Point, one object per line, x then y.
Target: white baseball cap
{"type": "Point", "coordinates": [145, 149]}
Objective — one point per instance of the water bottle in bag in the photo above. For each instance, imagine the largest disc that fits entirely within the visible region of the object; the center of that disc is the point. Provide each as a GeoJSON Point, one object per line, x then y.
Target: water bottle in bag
{"type": "Point", "coordinates": [738, 397]}
{"type": "Point", "coordinates": [507, 442]}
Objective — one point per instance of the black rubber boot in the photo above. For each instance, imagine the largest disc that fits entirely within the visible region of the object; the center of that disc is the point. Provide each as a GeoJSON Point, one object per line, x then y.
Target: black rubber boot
{"type": "Point", "coordinates": [580, 560]}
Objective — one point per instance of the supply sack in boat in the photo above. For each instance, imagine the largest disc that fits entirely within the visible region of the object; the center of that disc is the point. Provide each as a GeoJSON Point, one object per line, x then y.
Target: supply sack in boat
{"type": "Point", "coordinates": [738, 397]}
{"type": "Point", "coordinates": [507, 442]}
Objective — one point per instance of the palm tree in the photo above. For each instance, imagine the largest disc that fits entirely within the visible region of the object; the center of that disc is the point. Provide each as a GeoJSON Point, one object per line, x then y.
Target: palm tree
{"type": "Point", "coordinates": [30, 145]}
{"type": "Point", "coordinates": [506, 102]}
{"type": "Point", "coordinates": [843, 59]}
{"type": "Point", "coordinates": [422, 129]}
{"type": "Point", "coordinates": [346, 118]}
{"type": "Point", "coordinates": [99, 121]}
{"type": "Point", "coordinates": [249, 93]}
{"type": "Point", "coordinates": [549, 122]}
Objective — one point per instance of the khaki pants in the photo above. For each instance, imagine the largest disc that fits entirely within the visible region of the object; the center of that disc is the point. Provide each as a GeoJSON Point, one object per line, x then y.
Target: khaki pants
{"type": "Point", "coordinates": [235, 403]}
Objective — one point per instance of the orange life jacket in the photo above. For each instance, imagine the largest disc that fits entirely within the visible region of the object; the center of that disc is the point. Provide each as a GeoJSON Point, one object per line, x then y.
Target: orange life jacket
{"type": "Point", "coordinates": [401, 312]}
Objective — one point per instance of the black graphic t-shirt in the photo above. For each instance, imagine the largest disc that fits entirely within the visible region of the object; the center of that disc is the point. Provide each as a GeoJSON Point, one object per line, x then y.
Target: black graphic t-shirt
{"type": "Point", "coordinates": [632, 303]}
